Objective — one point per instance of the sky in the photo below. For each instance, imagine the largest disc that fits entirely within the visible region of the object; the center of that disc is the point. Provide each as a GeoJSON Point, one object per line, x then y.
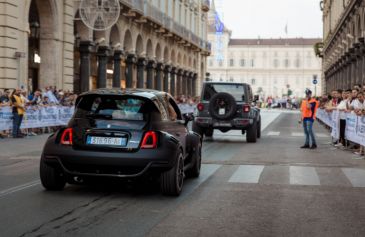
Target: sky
{"type": "Point", "coordinates": [268, 18]}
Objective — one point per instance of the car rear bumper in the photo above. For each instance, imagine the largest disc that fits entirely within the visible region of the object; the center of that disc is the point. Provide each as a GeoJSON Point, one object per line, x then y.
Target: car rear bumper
{"type": "Point", "coordinates": [237, 123]}
{"type": "Point", "coordinates": [110, 164]}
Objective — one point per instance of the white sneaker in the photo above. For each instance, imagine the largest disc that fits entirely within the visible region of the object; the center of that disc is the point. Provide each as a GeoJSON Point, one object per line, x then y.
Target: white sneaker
{"type": "Point", "coordinates": [339, 145]}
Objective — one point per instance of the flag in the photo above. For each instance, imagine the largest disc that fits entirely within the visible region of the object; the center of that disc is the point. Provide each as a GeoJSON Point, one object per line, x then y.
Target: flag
{"type": "Point", "coordinates": [286, 29]}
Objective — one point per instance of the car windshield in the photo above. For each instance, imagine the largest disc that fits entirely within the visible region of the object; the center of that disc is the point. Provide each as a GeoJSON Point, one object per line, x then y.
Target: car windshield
{"type": "Point", "coordinates": [236, 90]}
{"type": "Point", "coordinates": [113, 107]}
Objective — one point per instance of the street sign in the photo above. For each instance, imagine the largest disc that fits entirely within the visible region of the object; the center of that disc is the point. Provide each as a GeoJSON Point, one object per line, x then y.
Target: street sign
{"type": "Point", "coordinates": [315, 81]}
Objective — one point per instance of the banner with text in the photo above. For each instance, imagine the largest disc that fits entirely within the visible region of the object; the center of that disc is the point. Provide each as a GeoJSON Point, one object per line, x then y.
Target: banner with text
{"type": "Point", "coordinates": [37, 117]}
{"type": "Point", "coordinates": [355, 125]}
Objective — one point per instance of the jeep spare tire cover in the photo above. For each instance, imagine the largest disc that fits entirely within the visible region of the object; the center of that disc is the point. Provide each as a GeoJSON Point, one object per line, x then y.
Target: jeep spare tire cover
{"type": "Point", "coordinates": [222, 106]}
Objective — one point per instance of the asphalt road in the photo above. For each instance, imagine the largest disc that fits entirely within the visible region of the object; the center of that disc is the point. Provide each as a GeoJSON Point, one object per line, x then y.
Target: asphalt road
{"type": "Point", "coordinates": [271, 188]}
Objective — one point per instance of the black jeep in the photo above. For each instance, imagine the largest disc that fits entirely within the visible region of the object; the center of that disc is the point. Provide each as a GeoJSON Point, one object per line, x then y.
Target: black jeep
{"type": "Point", "coordinates": [227, 106]}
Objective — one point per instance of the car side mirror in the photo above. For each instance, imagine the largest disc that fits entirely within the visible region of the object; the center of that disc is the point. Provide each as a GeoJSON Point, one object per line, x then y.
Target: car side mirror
{"type": "Point", "coordinates": [188, 118]}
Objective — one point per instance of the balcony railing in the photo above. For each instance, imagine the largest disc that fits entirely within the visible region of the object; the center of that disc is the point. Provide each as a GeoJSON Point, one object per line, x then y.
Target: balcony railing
{"type": "Point", "coordinates": [156, 15]}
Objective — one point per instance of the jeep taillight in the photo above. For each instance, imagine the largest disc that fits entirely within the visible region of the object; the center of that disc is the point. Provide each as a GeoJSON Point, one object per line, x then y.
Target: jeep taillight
{"type": "Point", "coordinates": [149, 140]}
{"type": "Point", "coordinates": [246, 108]}
{"type": "Point", "coordinates": [200, 107]}
{"type": "Point", "coordinates": [66, 138]}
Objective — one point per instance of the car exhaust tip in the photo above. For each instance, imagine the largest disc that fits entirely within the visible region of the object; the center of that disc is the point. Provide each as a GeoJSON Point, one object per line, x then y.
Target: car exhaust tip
{"type": "Point", "coordinates": [78, 179]}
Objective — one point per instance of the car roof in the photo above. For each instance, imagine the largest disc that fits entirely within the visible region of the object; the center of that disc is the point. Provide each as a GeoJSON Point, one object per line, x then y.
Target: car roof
{"type": "Point", "coordinates": [226, 83]}
{"type": "Point", "coordinates": [144, 93]}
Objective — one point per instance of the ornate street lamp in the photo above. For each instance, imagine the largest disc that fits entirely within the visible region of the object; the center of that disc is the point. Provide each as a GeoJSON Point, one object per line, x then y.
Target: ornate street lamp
{"type": "Point", "coordinates": [34, 30]}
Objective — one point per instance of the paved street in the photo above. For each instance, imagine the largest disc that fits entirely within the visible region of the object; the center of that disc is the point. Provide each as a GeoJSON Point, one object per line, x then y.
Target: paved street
{"type": "Point", "coordinates": [271, 188]}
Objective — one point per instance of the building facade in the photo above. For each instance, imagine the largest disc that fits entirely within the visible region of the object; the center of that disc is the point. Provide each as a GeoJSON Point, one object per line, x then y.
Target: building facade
{"type": "Point", "coordinates": [159, 44]}
{"type": "Point", "coordinates": [270, 66]}
{"type": "Point", "coordinates": [343, 46]}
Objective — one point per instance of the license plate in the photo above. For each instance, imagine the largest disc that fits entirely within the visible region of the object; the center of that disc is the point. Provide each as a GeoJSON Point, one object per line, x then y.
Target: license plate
{"type": "Point", "coordinates": [222, 111]}
{"type": "Point", "coordinates": [109, 141]}
{"type": "Point", "coordinates": [222, 124]}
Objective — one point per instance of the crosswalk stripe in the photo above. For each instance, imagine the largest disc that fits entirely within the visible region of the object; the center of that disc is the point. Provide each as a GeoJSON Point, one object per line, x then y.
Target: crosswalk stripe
{"type": "Point", "coordinates": [322, 135]}
{"type": "Point", "coordinates": [273, 133]}
{"type": "Point", "coordinates": [303, 176]}
{"type": "Point", "coordinates": [355, 176]}
{"type": "Point", "coordinates": [247, 174]}
{"type": "Point", "coordinates": [297, 134]}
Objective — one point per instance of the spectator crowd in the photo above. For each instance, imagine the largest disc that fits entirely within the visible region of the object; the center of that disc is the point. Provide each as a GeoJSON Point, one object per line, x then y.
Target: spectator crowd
{"type": "Point", "coordinates": [345, 101]}
{"type": "Point", "coordinates": [20, 99]}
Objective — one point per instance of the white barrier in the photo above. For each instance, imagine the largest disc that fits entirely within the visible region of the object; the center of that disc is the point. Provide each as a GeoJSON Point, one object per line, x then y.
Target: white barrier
{"type": "Point", "coordinates": [37, 117]}
{"type": "Point", "coordinates": [355, 125]}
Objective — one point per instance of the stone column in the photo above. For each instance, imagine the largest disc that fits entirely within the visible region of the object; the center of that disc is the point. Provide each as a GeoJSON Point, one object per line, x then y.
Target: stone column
{"type": "Point", "coordinates": [102, 54]}
{"type": "Point", "coordinates": [173, 81]}
{"type": "Point", "coordinates": [141, 63]}
{"type": "Point", "coordinates": [116, 74]}
{"type": "Point", "coordinates": [86, 48]}
{"type": "Point", "coordinates": [194, 84]}
{"type": "Point", "coordinates": [130, 61]}
{"type": "Point", "coordinates": [166, 83]}
{"type": "Point", "coordinates": [185, 83]}
{"type": "Point", "coordinates": [150, 73]}
{"type": "Point", "coordinates": [158, 78]}
{"type": "Point", "coordinates": [179, 89]}
{"type": "Point", "coordinates": [362, 55]}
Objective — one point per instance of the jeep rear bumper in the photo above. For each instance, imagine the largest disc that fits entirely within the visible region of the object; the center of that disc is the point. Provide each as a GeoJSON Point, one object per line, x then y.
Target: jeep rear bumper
{"type": "Point", "coordinates": [237, 123]}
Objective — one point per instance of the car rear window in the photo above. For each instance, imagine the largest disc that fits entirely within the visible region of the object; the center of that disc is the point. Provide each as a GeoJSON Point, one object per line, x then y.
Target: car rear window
{"type": "Point", "coordinates": [236, 90]}
{"type": "Point", "coordinates": [114, 107]}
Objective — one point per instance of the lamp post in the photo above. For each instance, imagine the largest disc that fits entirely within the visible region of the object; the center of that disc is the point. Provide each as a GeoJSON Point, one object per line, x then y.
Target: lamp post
{"type": "Point", "coordinates": [34, 58]}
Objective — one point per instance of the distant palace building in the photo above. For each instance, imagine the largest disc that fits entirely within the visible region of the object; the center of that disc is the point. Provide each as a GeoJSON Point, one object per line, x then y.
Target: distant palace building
{"type": "Point", "coordinates": [344, 46]}
{"type": "Point", "coordinates": [269, 65]}
{"type": "Point", "coordinates": [159, 44]}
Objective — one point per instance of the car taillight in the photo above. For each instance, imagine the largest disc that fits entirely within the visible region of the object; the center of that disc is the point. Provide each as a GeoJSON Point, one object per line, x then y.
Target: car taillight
{"type": "Point", "coordinates": [149, 140]}
{"type": "Point", "coordinates": [66, 138]}
{"type": "Point", "coordinates": [200, 107]}
{"type": "Point", "coordinates": [246, 108]}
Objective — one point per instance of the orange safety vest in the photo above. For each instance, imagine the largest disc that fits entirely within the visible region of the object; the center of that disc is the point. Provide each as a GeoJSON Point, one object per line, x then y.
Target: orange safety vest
{"type": "Point", "coordinates": [307, 113]}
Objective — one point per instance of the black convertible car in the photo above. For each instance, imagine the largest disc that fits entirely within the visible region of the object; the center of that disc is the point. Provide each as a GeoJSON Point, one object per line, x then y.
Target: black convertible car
{"type": "Point", "coordinates": [123, 134]}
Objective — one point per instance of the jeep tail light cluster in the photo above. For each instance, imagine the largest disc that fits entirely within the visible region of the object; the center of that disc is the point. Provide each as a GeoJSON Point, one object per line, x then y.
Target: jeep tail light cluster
{"type": "Point", "coordinates": [246, 108]}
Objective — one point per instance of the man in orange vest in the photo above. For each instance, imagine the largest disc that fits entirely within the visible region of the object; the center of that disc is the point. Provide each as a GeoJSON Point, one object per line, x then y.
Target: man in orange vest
{"type": "Point", "coordinates": [309, 109]}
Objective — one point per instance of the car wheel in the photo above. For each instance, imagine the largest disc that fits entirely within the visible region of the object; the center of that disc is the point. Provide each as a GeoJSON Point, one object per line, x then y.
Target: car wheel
{"type": "Point", "coordinates": [198, 130]}
{"type": "Point", "coordinates": [259, 129]}
{"type": "Point", "coordinates": [209, 132]}
{"type": "Point", "coordinates": [194, 172]}
{"type": "Point", "coordinates": [172, 181]}
{"type": "Point", "coordinates": [251, 135]}
{"type": "Point", "coordinates": [51, 178]}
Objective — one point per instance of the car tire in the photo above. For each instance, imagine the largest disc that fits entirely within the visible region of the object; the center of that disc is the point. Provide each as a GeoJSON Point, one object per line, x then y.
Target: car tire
{"type": "Point", "coordinates": [194, 171]}
{"type": "Point", "coordinates": [51, 178]}
{"type": "Point", "coordinates": [251, 135]}
{"type": "Point", "coordinates": [172, 181]}
{"type": "Point", "coordinates": [197, 129]}
{"type": "Point", "coordinates": [259, 128]}
{"type": "Point", "coordinates": [209, 132]}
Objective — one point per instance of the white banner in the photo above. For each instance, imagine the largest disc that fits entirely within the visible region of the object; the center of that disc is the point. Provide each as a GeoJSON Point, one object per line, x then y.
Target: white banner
{"type": "Point", "coordinates": [335, 124]}
{"type": "Point", "coordinates": [361, 130]}
{"type": "Point", "coordinates": [355, 125]}
{"type": "Point", "coordinates": [351, 128]}
{"type": "Point", "coordinates": [37, 117]}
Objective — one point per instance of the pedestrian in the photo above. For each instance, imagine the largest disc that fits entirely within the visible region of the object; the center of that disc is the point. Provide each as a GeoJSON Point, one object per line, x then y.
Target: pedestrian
{"type": "Point", "coordinates": [309, 108]}
{"type": "Point", "coordinates": [18, 112]}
